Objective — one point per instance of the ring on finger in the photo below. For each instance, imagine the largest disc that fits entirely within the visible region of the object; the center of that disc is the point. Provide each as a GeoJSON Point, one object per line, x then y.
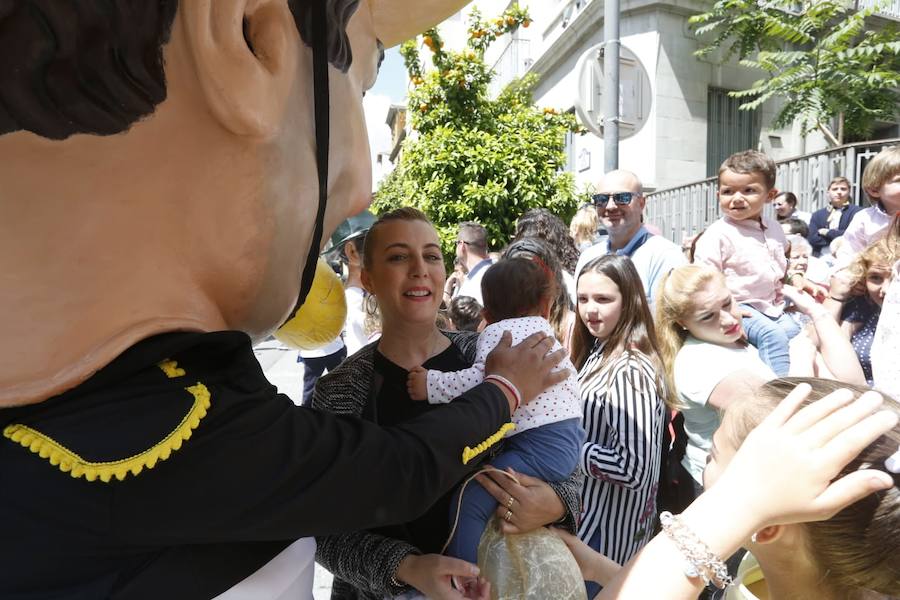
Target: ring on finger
{"type": "Point", "coordinates": [509, 502]}
{"type": "Point", "coordinates": [508, 516]}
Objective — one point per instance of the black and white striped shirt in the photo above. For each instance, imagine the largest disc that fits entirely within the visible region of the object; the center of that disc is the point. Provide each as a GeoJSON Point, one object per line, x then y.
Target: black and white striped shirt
{"type": "Point", "coordinates": [624, 416]}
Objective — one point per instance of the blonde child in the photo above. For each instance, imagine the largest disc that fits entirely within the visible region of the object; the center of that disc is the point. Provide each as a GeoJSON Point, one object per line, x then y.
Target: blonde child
{"type": "Point", "coordinates": [881, 181]}
{"type": "Point", "coordinates": [749, 249]}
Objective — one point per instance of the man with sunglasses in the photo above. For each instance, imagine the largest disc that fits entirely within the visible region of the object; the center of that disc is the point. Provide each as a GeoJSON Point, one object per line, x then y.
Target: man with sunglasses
{"type": "Point", "coordinates": [620, 201]}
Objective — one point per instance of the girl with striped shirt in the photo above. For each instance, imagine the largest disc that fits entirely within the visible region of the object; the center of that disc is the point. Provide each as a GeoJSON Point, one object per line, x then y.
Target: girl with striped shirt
{"type": "Point", "coordinates": [623, 394]}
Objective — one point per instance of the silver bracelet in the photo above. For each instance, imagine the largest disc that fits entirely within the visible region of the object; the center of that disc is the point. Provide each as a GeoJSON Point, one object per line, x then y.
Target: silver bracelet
{"type": "Point", "coordinates": [701, 562]}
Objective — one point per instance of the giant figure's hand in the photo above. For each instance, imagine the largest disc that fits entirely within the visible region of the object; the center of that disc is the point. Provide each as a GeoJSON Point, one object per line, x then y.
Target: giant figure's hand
{"type": "Point", "coordinates": [527, 364]}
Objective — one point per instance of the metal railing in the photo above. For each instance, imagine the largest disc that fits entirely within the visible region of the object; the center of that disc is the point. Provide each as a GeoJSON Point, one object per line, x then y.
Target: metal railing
{"type": "Point", "coordinates": [688, 209]}
{"type": "Point", "coordinates": [889, 9]}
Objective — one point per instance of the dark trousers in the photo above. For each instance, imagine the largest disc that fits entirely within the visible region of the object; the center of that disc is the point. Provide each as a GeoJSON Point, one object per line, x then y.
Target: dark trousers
{"type": "Point", "coordinates": [313, 369]}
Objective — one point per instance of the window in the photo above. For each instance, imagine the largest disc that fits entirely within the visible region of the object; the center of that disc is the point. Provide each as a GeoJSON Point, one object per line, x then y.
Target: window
{"type": "Point", "coordinates": [728, 129]}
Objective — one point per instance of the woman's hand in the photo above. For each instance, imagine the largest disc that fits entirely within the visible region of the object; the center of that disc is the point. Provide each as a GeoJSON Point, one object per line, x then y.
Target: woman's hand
{"type": "Point", "coordinates": [803, 301]}
{"type": "Point", "coordinates": [784, 470]}
{"type": "Point", "coordinates": [527, 364]}
{"type": "Point", "coordinates": [594, 566]}
{"type": "Point", "coordinates": [432, 574]}
{"type": "Point", "coordinates": [417, 383]}
{"type": "Point", "coordinates": [531, 502]}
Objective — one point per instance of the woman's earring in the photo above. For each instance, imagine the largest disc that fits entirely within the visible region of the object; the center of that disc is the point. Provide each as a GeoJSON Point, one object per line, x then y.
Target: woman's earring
{"type": "Point", "coordinates": [371, 305]}
{"type": "Point", "coordinates": [753, 537]}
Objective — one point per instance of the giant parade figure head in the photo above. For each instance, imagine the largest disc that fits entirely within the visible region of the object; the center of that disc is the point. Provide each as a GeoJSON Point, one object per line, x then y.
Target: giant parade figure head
{"type": "Point", "coordinates": [159, 167]}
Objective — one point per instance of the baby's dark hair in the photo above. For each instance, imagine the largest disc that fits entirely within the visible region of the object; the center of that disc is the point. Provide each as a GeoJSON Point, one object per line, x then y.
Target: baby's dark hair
{"type": "Point", "coordinates": [465, 313]}
{"type": "Point", "coordinates": [516, 287]}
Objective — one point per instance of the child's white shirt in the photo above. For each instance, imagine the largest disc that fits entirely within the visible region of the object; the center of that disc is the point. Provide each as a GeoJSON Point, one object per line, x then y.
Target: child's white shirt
{"type": "Point", "coordinates": [559, 403]}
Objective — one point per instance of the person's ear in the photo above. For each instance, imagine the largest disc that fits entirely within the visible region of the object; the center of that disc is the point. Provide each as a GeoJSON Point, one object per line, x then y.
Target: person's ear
{"type": "Point", "coordinates": [351, 253]}
{"type": "Point", "coordinates": [769, 534]}
{"type": "Point", "coordinates": [643, 202]}
{"type": "Point", "coordinates": [246, 55]}
{"type": "Point", "coordinates": [872, 192]}
{"type": "Point", "coordinates": [772, 194]}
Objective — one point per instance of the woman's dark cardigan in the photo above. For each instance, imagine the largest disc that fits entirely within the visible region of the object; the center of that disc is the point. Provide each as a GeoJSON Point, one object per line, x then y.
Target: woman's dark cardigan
{"type": "Point", "coordinates": [362, 562]}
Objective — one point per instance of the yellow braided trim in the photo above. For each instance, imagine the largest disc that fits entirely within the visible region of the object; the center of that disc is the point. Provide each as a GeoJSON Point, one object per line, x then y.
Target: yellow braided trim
{"type": "Point", "coordinates": [171, 368]}
{"type": "Point", "coordinates": [470, 453]}
{"type": "Point", "coordinates": [69, 462]}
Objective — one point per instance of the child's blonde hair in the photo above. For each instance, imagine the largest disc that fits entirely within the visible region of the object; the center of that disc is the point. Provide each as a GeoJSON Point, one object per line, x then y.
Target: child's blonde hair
{"type": "Point", "coordinates": [674, 301]}
{"type": "Point", "coordinates": [880, 169]}
{"type": "Point", "coordinates": [583, 227]}
{"type": "Point", "coordinates": [858, 549]}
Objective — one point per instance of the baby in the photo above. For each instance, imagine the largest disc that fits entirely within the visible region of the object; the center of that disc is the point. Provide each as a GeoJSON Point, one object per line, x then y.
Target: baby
{"type": "Point", "coordinates": [548, 435]}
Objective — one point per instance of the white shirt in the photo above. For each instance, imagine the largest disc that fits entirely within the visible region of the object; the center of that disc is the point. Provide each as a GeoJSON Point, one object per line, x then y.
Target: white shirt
{"type": "Point", "coordinates": [868, 225]}
{"type": "Point", "coordinates": [886, 345]}
{"type": "Point", "coordinates": [656, 257]}
{"type": "Point", "coordinates": [471, 285]}
{"type": "Point", "coordinates": [699, 368]}
{"type": "Point", "coordinates": [288, 576]}
{"type": "Point", "coordinates": [354, 327]}
{"type": "Point", "coordinates": [558, 403]}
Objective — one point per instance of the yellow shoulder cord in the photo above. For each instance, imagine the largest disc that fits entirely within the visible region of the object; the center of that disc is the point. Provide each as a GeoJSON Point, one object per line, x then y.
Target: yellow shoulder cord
{"type": "Point", "coordinates": [69, 462]}
{"type": "Point", "coordinates": [470, 453]}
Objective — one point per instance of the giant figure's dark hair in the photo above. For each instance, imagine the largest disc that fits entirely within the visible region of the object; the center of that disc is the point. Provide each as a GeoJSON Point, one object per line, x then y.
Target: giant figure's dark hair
{"type": "Point", "coordinates": [96, 66]}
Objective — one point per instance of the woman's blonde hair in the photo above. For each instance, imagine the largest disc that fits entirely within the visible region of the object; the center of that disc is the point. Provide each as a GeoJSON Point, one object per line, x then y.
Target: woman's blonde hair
{"type": "Point", "coordinates": [674, 300]}
{"type": "Point", "coordinates": [858, 549]}
{"type": "Point", "coordinates": [583, 227]}
{"type": "Point", "coordinates": [883, 253]}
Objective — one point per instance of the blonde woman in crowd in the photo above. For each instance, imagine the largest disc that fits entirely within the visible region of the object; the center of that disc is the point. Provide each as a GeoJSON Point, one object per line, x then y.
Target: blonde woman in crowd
{"type": "Point", "coordinates": [583, 227]}
{"type": "Point", "coordinates": [706, 354]}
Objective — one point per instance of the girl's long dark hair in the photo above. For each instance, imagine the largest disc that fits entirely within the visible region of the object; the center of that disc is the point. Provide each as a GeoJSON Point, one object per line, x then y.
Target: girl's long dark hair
{"type": "Point", "coordinates": [635, 329]}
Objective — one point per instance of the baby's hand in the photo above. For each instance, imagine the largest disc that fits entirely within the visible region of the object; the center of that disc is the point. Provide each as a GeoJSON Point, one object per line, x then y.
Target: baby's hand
{"type": "Point", "coordinates": [417, 384]}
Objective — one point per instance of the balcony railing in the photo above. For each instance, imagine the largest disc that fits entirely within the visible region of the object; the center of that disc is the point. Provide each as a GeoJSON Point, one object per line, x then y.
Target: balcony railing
{"type": "Point", "coordinates": [513, 62]}
{"type": "Point", "coordinates": [688, 209]}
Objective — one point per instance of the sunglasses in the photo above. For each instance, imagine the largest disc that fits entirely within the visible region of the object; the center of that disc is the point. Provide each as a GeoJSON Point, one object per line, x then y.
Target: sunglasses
{"type": "Point", "coordinates": [620, 198]}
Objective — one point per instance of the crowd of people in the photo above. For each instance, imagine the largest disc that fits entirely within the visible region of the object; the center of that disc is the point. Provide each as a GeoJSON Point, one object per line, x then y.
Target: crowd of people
{"type": "Point", "coordinates": [170, 172]}
{"type": "Point", "coordinates": [672, 358]}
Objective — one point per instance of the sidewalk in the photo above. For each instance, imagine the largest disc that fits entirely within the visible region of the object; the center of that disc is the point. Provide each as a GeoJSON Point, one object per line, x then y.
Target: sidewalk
{"type": "Point", "coordinates": [322, 583]}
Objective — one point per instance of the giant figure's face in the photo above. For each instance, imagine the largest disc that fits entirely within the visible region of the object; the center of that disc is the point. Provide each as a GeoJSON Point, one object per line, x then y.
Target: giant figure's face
{"type": "Point", "coordinates": [292, 180]}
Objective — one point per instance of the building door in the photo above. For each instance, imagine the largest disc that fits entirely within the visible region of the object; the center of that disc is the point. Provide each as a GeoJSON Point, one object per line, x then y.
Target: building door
{"type": "Point", "coordinates": [728, 129]}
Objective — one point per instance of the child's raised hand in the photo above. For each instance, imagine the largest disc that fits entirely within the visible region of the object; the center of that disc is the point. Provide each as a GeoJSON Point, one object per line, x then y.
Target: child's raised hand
{"type": "Point", "coordinates": [417, 383]}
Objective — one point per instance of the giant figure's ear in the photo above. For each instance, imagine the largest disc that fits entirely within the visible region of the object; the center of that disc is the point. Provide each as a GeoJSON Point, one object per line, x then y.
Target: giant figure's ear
{"type": "Point", "coordinates": [246, 56]}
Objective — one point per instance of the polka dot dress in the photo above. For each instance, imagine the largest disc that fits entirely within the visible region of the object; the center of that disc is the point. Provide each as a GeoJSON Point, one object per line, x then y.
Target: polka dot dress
{"type": "Point", "coordinates": [559, 403]}
{"type": "Point", "coordinates": [866, 312]}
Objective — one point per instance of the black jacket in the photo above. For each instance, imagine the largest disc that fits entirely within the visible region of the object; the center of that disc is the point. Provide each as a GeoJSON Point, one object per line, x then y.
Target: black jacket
{"type": "Point", "coordinates": [256, 473]}
{"type": "Point", "coordinates": [819, 220]}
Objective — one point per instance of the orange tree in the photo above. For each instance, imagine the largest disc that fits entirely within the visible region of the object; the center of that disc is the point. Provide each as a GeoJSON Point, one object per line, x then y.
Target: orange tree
{"type": "Point", "coordinates": [473, 157]}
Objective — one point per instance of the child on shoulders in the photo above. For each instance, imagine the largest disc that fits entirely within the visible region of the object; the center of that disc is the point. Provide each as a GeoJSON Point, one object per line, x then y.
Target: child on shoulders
{"type": "Point", "coordinates": [548, 436]}
{"type": "Point", "coordinates": [749, 249]}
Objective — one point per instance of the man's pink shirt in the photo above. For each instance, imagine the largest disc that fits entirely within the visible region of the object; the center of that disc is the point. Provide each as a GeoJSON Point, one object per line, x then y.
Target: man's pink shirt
{"type": "Point", "coordinates": [751, 254]}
